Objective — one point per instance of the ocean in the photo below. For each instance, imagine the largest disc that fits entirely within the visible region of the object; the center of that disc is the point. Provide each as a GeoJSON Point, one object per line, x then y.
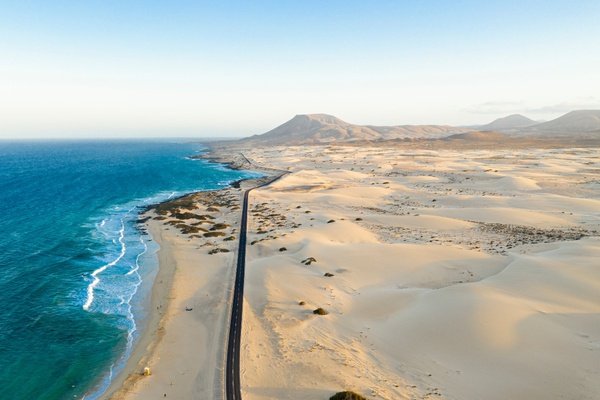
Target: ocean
{"type": "Point", "coordinates": [75, 271]}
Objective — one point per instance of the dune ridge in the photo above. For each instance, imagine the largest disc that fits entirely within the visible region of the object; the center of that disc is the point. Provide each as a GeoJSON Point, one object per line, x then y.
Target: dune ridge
{"type": "Point", "coordinates": [445, 274]}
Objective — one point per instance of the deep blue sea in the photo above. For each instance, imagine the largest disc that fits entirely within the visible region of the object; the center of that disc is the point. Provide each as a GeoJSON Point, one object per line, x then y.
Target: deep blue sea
{"type": "Point", "coordinates": [74, 269]}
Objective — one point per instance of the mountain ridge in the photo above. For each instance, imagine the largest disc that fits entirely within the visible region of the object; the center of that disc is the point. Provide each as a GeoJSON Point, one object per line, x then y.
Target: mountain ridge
{"type": "Point", "coordinates": [305, 129]}
{"type": "Point", "coordinates": [325, 128]}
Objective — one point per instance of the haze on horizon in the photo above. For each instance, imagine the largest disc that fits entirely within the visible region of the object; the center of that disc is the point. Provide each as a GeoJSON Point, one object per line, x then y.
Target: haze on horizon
{"type": "Point", "coordinates": [184, 68]}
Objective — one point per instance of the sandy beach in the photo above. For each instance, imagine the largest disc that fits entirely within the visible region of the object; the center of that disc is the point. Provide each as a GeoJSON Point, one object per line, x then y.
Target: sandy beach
{"type": "Point", "coordinates": [184, 344]}
{"type": "Point", "coordinates": [444, 274]}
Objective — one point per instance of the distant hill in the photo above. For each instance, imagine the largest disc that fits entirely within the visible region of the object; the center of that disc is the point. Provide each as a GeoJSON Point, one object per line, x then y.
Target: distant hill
{"type": "Point", "coordinates": [510, 122]}
{"type": "Point", "coordinates": [478, 136]}
{"type": "Point", "coordinates": [574, 122]}
{"type": "Point", "coordinates": [323, 128]}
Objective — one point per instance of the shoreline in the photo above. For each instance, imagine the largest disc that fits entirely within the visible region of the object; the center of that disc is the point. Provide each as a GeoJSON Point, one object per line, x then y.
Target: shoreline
{"type": "Point", "coordinates": [153, 331]}
{"type": "Point", "coordinates": [163, 287]}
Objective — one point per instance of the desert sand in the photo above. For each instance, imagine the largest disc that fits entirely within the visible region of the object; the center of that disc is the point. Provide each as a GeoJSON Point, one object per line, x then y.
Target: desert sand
{"type": "Point", "coordinates": [452, 275]}
{"type": "Point", "coordinates": [445, 274]}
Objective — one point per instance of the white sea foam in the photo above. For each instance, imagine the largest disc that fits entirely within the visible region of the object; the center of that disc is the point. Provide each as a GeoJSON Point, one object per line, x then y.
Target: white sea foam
{"type": "Point", "coordinates": [130, 315]}
{"type": "Point", "coordinates": [119, 288]}
{"type": "Point", "coordinates": [96, 280]}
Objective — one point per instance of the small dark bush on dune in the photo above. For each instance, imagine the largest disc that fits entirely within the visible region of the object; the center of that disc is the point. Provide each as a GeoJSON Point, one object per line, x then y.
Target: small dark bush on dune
{"type": "Point", "coordinates": [218, 227]}
{"type": "Point", "coordinates": [308, 261]}
{"type": "Point", "coordinates": [215, 251]}
{"type": "Point", "coordinates": [214, 234]}
{"type": "Point", "coordinates": [320, 311]}
{"type": "Point", "coordinates": [347, 396]}
{"type": "Point", "coordinates": [187, 229]}
{"type": "Point", "coordinates": [184, 215]}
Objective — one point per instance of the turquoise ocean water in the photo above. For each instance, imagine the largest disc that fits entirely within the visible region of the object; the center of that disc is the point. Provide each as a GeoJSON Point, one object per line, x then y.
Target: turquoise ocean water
{"type": "Point", "coordinates": [74, 269]}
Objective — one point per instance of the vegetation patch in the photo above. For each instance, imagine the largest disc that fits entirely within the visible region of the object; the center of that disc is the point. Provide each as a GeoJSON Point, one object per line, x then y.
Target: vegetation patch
{"type": "Point", "coordinates": [347, 396]}
{"type": "Point", "coordinates": [215, 251]}
{"type": "Point", "coordinates": [320, 311]}
{"type": "Point", "coordinates": [308, 261]}
{"type": "Point", "coordinates": [214, 234]}
{"type": "Point", "coordinates": [187, 229]}
{"type": "Point", "coordinates": [184, 215]}
{"type": "Point", "coordinates": [174, 206]}
{"type": "Point", "coordinates": [219, 227]}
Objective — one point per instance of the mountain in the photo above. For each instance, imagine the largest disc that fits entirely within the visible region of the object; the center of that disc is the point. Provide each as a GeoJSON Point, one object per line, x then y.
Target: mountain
{"type": "Point", "coordinates": [479, 136]}
{"type": "Point", "coordinates": [574, 122]}
{"type": "Point", "coordinates": [510, 122]}
{"type": "Point", "coordinates": [323, 128]}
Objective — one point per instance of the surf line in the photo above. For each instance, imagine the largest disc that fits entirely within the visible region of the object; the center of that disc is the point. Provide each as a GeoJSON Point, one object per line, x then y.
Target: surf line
{"type": "Point", "coordinates": [96, 280]}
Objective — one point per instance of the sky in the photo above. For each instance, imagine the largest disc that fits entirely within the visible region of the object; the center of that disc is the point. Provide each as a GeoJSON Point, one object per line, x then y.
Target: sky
{"type": "Point", "coordinates": [192, 68]}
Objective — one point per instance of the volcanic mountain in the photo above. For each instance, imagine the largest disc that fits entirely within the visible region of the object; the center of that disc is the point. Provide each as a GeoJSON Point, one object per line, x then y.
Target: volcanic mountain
{"type": "Point", "coordinates": [323, 128]}
{"type": "Point", "coordinates": [510, 122]}
{"type": "Point", "coordinates": [574, 122]}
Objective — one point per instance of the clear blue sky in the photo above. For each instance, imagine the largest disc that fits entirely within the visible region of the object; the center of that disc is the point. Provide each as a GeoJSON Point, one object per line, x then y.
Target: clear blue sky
{"type": "Point", "coordinates": [187, 68]}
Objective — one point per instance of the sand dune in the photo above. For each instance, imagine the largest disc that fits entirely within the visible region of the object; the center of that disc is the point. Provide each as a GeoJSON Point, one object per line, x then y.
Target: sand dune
{"type": "Point", "coordinates": [454, 276]}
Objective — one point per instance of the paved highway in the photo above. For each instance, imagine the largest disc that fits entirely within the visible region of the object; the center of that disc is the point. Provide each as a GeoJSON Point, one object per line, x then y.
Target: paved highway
{"type": "Point", "coordinates": [232, 374]}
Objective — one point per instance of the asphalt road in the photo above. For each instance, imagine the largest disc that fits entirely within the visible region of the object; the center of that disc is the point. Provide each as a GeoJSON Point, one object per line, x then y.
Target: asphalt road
{"type": "Point", "coordinates": [232, 374]}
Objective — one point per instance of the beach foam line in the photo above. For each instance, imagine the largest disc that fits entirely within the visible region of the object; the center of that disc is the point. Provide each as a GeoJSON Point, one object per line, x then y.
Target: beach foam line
{"type": "Point", "coordinates": [130, 315]}
{"type": "Point", "coordinates": [96, 280]}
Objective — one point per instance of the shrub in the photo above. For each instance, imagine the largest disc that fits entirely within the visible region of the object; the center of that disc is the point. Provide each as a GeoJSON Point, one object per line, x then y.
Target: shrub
{"type": "Point", "coordinates": [282, 249]}
{"type": "Point", "coordinates": [301, 303]}
{"type": "Point", "coordinates": [320, 311]}
{"type": "Point", "coordinates": [331, 221]}
{"type": "Point", "coordinates": [308, 261]}
{"type": "Point", "coordinates": [184, 215]}
{"type": "Point", "coordinates": [214, 234]}
{"type": "Point", "coordinates": [347, 396]}
{"type": "Point", "coordinates": [187, 230]}
{"type": "Point", "coordinates": [218, 227]}
{"type": "Point", "coordinates": [215, 251]}
{"type": "Point", "coordinates": [329, 275]}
